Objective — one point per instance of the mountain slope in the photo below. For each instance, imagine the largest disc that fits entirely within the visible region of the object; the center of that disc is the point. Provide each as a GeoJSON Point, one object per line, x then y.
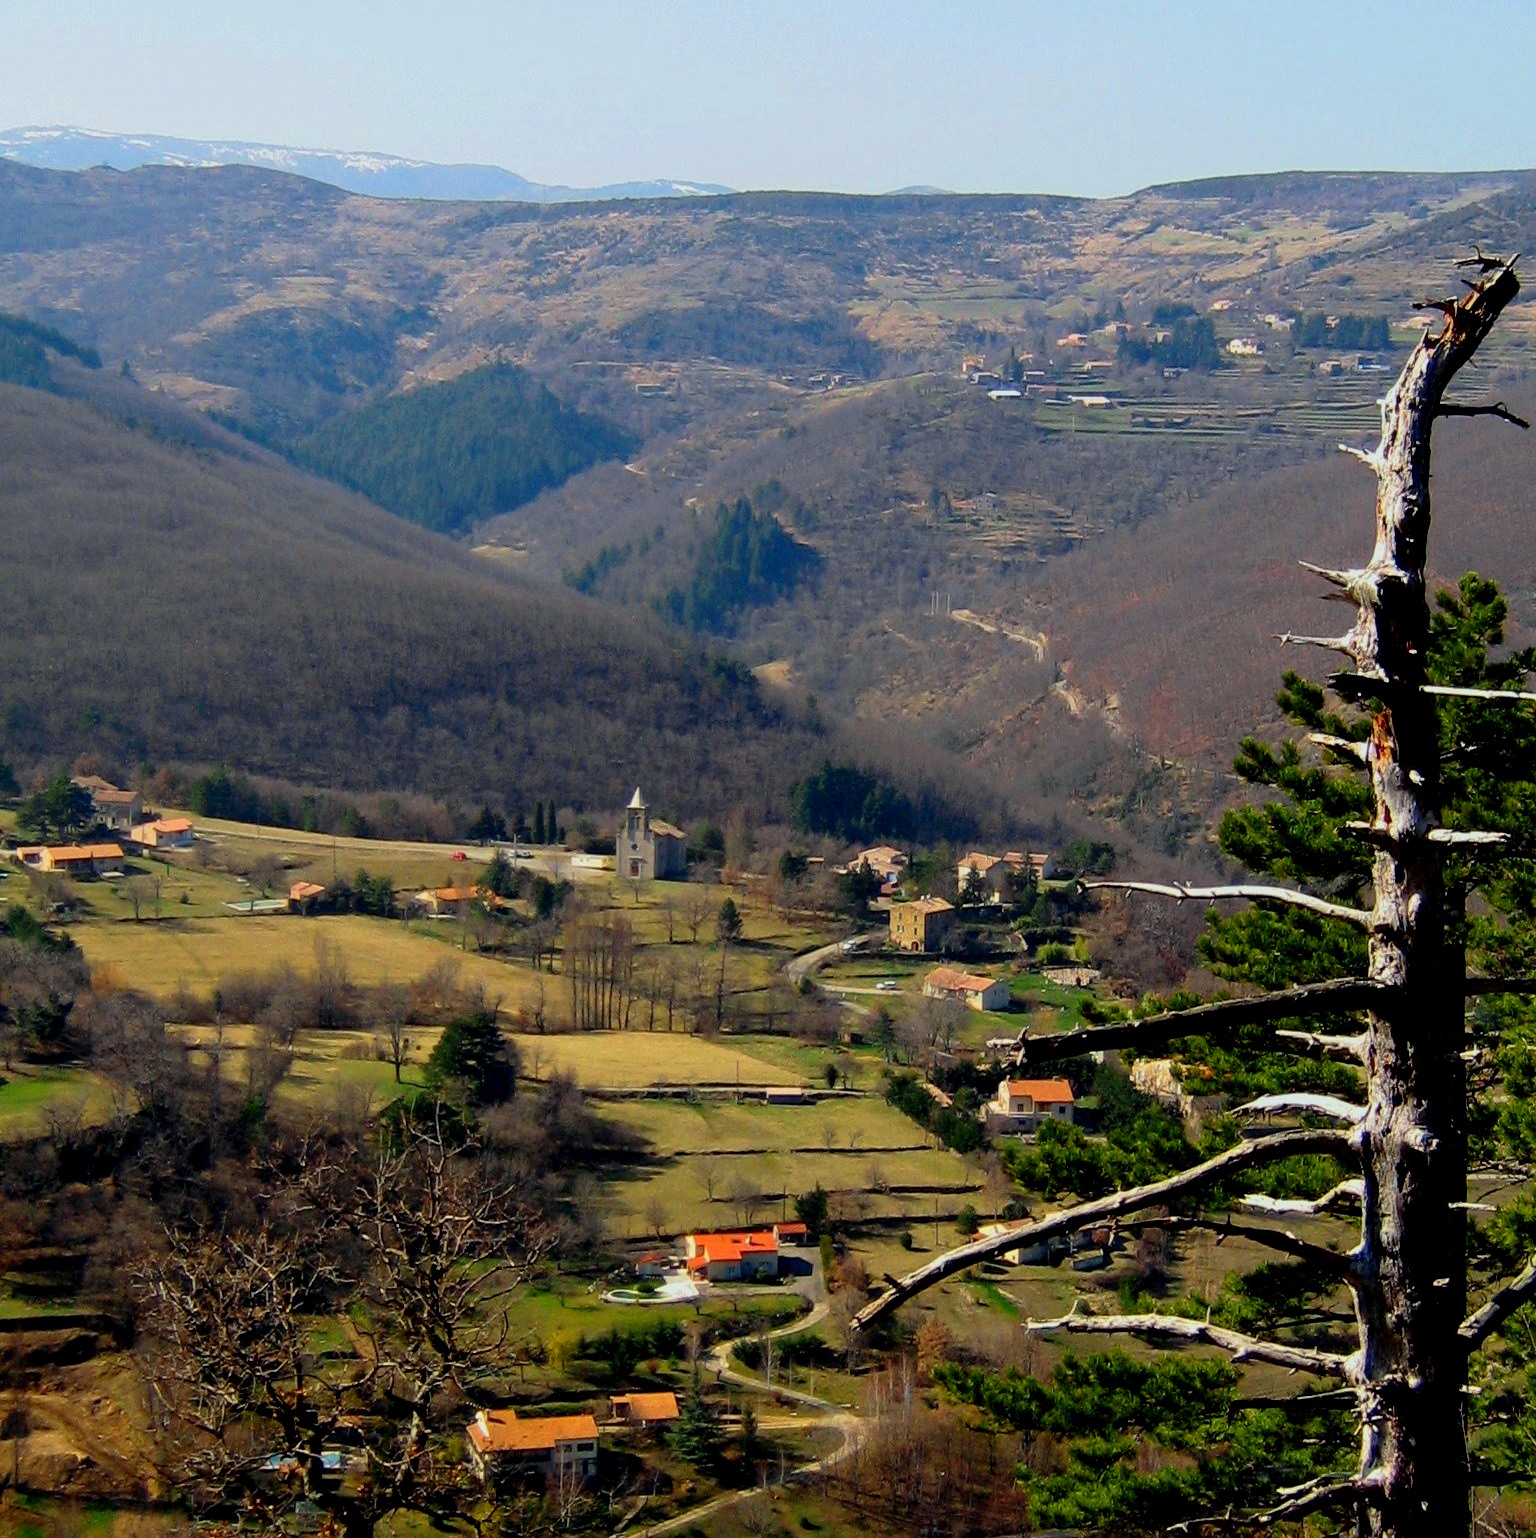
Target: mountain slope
{"type": "Point", "coordinates": [168, 602]}
{"type": "Point", "coordinates": [364, 171]}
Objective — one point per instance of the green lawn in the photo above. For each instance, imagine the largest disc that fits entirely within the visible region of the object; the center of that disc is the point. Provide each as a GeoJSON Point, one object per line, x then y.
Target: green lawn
{"type": "Point", "coordinates": [30, 1097]}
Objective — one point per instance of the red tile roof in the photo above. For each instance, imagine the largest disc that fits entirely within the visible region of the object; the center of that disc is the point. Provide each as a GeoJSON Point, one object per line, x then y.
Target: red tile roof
{"type": "Point", "coordinates": [1043, 1091]}
{"type": "Point", "coordinates": [500, 1431]}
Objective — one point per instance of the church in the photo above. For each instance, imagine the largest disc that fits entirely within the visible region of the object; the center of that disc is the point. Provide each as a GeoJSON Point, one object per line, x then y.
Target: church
{"type": "Point", "coordinates": [650, 850]}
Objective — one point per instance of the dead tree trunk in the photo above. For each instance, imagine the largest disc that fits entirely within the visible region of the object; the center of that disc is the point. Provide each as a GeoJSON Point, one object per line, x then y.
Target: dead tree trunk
{"type": "Point", "coordinates": [1408, 1272]}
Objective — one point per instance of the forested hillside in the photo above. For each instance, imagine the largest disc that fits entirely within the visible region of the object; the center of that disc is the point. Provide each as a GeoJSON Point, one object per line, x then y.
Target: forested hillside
{"type": "Point", "coordinates": [169, 604]}
{"type": "Point", "coordinates": [24, 349]}
{"type": "Point", "coordinates": [448, 455]}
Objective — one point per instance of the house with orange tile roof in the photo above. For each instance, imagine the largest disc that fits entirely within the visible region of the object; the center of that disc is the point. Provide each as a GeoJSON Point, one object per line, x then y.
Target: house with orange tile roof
{"type": "Point", "coordinates": [1020, 1105]}
{"type": "Point", "coordinates": [164, 833]}
{"type": "Point", "coordinates": [736, 1256]}
{"type": "Point", "coordinates": [72, 859]}
{"type": "Point", "coordinates": [444, 900]}
{"type": "Point", "coordinates": [974, 989]}
{"type": "Point", "coordinates": [503, 1445]}
{"type": "Point", "coordinates": [644, 1410]}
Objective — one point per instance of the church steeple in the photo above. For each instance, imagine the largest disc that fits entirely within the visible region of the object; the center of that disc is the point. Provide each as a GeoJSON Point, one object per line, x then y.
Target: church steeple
{"type": "Point", "coordinates": [635, 819]}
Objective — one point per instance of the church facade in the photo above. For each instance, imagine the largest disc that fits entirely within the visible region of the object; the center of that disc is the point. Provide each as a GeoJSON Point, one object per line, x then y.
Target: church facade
{"type": "Point", "coordinates": [649, 849]}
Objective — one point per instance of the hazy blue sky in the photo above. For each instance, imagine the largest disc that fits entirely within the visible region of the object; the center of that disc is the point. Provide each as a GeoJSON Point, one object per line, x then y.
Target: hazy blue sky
{"type": "Point", "coordinates": [863, 95]}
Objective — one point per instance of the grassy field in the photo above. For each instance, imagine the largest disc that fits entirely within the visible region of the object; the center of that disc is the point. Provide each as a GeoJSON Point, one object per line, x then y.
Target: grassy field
{"type": "Point", "coordinates": [718, 1165]}
{"type": "Point", "coordinates": [30, 1099]}
{"type": "Point", "coordinates": [197, 953]}
{"type": "Point", "coordinates": [635, 1059]}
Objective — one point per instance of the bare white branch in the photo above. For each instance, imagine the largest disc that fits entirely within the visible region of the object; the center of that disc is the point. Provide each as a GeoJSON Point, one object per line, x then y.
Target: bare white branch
{"type": "Point", "coordinates": [1502, 696]}
{"type": "Point", "coordinates": [1346, 1190]}
{"type": "Point", "coordinates": [1365, 456]}
{"type": "Point", "coordinates": [1499, 1307]}
{"type": "Point", "coordinates": [1325, 1490]}
{"type": "Point", "coordinates": [1241, 1348]}
{"type": "Point", "coordinates": [1338, 996]}
{"type": "Point", "coordinates": [1317, 1105]}
{"type": "Point", "coordinates": [1246, 1155]}
{"type": "Point", "coordinates": [1243, 893]}
{"type": "Point", "coordinates": [1359, 750]}
{"type": "Point", "coordinates": [1330, 643]}
{"type": "Point", "coordinates": [1467, 838]}
{"type": "Point", "coordinates": [1345, 1047]}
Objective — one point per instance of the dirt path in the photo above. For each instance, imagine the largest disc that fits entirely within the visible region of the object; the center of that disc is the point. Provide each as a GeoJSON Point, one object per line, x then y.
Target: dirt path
{"type": "Point", "coordinates": [850, 1426]}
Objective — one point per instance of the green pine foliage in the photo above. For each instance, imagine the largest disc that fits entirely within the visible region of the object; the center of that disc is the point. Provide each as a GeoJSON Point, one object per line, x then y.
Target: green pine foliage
{"type": "Point", "coordinates": [748, 560]}
{"type": "Point", "coordinates": [1348, 333]}
{"type": "Point", "coordinates": [448, 455]}
{"type": "Point", "coordinates": [954, 1129]}
{"type": "Point", "coordinates": [1134, 1447]}
{"type": "Point", "coordinates": [697, 1435]}
{"type": "Point", "coordinates": [858, 805]}
{"type": "Point", "coordinates": [55, 812]}
{"type": "Point", "coordinates": [474, 1057]}
{"type": "Point", "coordinates": [24, 348]}
{"type": "Point", "coordinates": [1190, 343]}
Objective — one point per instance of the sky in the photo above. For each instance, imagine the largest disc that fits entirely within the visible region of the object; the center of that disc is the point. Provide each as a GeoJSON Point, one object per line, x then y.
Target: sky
{"type": "Point", "coordinates": [859, 96]}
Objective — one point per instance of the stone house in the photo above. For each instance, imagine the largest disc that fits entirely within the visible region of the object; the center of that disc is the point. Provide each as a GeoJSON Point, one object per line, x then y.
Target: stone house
{"type": "Point", "coordinates": [923, 925]}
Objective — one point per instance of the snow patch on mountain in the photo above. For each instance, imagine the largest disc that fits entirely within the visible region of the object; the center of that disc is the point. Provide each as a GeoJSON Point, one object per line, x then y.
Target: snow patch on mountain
{"type": "Point", "coordinates": [369, 172]}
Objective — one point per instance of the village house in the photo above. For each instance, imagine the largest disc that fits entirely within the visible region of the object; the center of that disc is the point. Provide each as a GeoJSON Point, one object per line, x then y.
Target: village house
{"type": "Point", "coordinates": [923, 925]}
{"type": "Point", "coordinates": [303, 895]}
{"type": "Point", "coordinates": [1020, 1105]}
{"type": "Point", "coordinates": [504, 1446]}
{"type": "Point", "coordinates": [884, 861]}
{"type": "Point", "coordinates": [1021, 1255]}
{"type": "Point", "coordinates": [732, 1257]}
{"type": "Point", "coordinates": [446, 901]}
{"type": "Point", "coordinates": [648, 849]}
{"type": "Point", "coordinates": [73, 859]}
{"type": "Point", "coordinates": [997, 873]}
{"type": "Point", "coordinates": [164, 833]}
{"type": "Point", "coordinates": [1245, 347]}
{"type": "Point", "coordinates": [644, 1410]}
{"type": "Point", "coordinates": [115, 809]}
{"type": "Point", "coordinates": [973, 989]}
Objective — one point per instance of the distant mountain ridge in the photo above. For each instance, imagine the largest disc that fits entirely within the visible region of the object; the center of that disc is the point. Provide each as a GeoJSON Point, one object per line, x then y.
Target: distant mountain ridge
{"type": "Point", "coordinates": [377, 175]}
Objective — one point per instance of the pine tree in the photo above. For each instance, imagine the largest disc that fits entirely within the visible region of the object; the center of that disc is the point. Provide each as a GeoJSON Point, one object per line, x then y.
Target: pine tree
{"type": "Point", "coordinates": [538, 823]}
{"type": "Point", "coordinates": [697, 1435]}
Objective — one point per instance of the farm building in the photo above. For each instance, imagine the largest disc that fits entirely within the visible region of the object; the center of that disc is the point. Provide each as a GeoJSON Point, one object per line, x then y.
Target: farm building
{"type": "Point", "coordinates": [114, 808]}
{"type": "Point", "coordinates": [656, 1409]}
{"type": "Point", "coordinates": [73, 859]}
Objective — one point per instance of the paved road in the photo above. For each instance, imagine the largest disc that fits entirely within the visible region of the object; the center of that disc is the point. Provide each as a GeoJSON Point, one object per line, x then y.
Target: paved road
{"type": "Point", "coordinates": [805, 964]}
{"type": "Point", "coordinates": [850, 1427]}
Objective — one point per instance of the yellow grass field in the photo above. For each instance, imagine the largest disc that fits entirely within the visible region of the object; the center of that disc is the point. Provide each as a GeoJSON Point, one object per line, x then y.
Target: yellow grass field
{"type": "Point", "coordinates": [633, 1059]}
{"type": "Point", "coordinates": [199, 952]}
